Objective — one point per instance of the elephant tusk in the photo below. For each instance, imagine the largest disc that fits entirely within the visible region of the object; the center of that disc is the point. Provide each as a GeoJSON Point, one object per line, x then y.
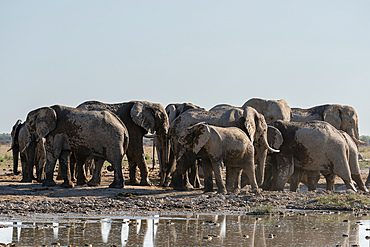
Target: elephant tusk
{"type": "Point", "coordinates": [270, 148]}
{"type": "Point", "coordinates": [27, 145]}
{"type": "Point", "coordinates": [9, 149]}
{"type": "Point", "coordinates": [150, 136]}
{"type": "Point", "coordinates": [358, 141]}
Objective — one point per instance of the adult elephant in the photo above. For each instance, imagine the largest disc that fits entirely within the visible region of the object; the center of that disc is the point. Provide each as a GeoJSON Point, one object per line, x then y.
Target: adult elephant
{"type": "Point", "coordinates": [174, 110]}
{"type": "Point", "coordinates": [272, 110]}
{"type": "Point", "coordinates": [248, 119]}
{"type": "Point", "coordinates": [140, 117]}
{"type": "Point", "coordinates": [311, 178]}
{"type": "Point", "coordinates": [62, 130]}
{"type": "Point", "coordinates": [310, 146]}
{"type": "Point", "coordinates": [342, 117]}
{"type": "Point", "coordinates": [29, 159]}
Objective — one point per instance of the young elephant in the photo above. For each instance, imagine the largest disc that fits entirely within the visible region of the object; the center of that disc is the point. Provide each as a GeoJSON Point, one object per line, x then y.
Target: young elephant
{"type": "Point", "coordinates": [63, 130]}
{"type": "Point", "coordinates": [217, 146]}
{"type": "Point", "coordinates": [310, 146]}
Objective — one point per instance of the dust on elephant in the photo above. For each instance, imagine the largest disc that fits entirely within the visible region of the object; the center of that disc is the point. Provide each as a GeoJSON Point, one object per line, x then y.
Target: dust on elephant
{"type": "Point", "coordinates": [63, 130]}
{"type": "Point", "coordinates": [272, 110]}
{"type": "Point", "coordinates": [341, 117]}
{"type": "Point", "coordinates": [311, 178]}
{"type": "Point", "coordinates": [139, 117]}
{"type": "Point", "coordinates": [248, 119]}
{"type": "Point", "coordinates": [174, 110]}
{"type": "Point", "coordinates": [311, 146]}
{"type": "Point", "coordinates": [219, 146]}
{"type": "Point", "coordinates": [29, 159]}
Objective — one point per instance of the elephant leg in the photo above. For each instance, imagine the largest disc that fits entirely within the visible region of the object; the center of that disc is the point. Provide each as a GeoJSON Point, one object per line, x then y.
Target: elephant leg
{"type": "Point", "coordinates": [217, 169]}
{"type": "Point", "coordinates": [194, 176]}
{"type": "Point", "coordinates": [313, 178]}
{"type": "Point", "coordinates": [208, 175]}
{"type": "Point", "coordinates": [118, 181]}
{"type": "Point", "coordinates": [96, 178]}
{"type": "Point", "coordinates": [80, 171]}
{"type": "Point", "coordinates": [233, 176]}
{"type": "Point", "coordinates": [329, 177]}
{"type": "Point", "coordinates": [357, 178]}
{"type": "Point", "coordinates": [367, 183]}
{"type": "Point", "coordinates": [49, 171]}
{"type": "Point", "coordinates": [26, 178]}
{"type": "Point", "coordinates": [342, 171]}
{"type": "Point", "coordinates": [15, 161]}
{"type": "Point", "coordinates": [64, 160]}
{"type": "Point", "coordinates": [295, 179]}
{"type": "Point", "coordinates": [248, 169]}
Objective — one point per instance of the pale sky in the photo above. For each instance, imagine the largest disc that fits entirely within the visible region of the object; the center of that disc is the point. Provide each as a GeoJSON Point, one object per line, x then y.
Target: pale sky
{"type": "Point", "coordinates": [205, 52]}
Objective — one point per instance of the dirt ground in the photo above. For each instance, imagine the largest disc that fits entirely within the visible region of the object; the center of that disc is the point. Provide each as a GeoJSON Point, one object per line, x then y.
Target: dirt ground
{"type": "Point", "coordinates": [32, 198]}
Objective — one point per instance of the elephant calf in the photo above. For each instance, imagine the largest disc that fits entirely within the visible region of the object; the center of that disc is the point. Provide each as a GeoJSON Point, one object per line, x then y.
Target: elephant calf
{"type": "Point", "coordinates": [310, 146]}
{"type": "Point", "coordinates": [217, 146]}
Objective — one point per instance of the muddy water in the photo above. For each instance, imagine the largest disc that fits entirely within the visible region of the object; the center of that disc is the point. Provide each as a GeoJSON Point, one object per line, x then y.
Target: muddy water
{"type": "Point", "coordinates": [291, 229]}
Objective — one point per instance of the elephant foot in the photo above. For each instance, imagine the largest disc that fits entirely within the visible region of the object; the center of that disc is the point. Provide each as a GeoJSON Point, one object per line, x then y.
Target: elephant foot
{"type": "Point", "coordinates": [222, 191]}
{"type": "Point", "coordinates": [17, 172]}
{"type": "Point", "coordinates": [81, 182]}
{"type": "Point", "coordinates": [146, 182]}
{"type": "Point", "coordinates": [48, 183]}
{"type": "Point", "coordinates": [188, 186]}
{"type": "Point", "coordinates": [116, 185]}
{"type": "Point", "coordinates": [93, 184]}
{"type": "Point", "coordinates": [133, 182]}
{"type": "Point", "coordinates": [67, 185]}
{"type": "Point", "coordinates": [256, 190]}
{"type": "Point", "coordinates": [59, 178]}
{"type": "Point", "coordinates": [235, 191]}
{"type": "Point", "coordinates": [26, 180]}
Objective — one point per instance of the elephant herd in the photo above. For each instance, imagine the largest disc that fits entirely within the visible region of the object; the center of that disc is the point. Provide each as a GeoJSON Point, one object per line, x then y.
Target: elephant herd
{"type": "Point", "coordinates": [263, 143]}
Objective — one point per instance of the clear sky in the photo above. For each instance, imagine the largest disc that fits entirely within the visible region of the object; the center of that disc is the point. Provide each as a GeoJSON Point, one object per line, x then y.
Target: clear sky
{"type": "Point", "coordinates": [205, 52]}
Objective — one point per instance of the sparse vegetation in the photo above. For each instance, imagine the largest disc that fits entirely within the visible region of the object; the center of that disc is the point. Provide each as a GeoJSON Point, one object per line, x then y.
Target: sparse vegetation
{"type": "Point", "coordinates": [343, 200]}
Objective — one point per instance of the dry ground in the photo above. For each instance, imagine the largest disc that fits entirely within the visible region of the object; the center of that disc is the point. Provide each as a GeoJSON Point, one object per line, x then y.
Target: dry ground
{"type": "Point", "coordinates": [30, 198]}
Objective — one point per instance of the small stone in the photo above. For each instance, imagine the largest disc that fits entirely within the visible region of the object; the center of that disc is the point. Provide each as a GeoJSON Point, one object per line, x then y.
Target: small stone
{"type": "Point", "coordinates": [277, 225]}
{"type": "Point", "coordinates": [271, 236]}
{"type": "Point", "coordinates": [207, 238]}
{"type": "Point", "coordinates": [345, 235]}
{"type": "Point", "coordinates": [345, 221]}
{"type": "Point", "coordinates": [55, 244]}
{"type": "Point", "coordinates": [245, 236]}
{"type": "Point", "coordinates": [367, 237]}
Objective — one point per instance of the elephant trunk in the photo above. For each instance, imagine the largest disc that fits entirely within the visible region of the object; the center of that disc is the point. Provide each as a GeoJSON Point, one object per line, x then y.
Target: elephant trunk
{"type": "Point", "coordinates": [15, 150]}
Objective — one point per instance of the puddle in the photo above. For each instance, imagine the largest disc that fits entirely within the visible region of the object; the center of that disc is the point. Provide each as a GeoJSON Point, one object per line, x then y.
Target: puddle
{"type": "Point", "coordinates": [324, 229]}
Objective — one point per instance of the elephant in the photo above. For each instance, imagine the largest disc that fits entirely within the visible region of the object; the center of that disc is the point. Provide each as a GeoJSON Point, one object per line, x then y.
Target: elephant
{"type": "Point", "coordinates": [173, 111]}
{"type": "Point", "coordinates": [218, 146]}
{"type": "Point", "coordinates": [272, 110]}
{"type": "Point", "coordinates": [341, 117]}
{"type": "Point", "coordinates": [63, 130]}
{"type": "Point", "coordinates": [139, 117]}
{"type": "Point", "coordinates": [311, 146]}
{"type": "Point", "coordinates": [248, 119]}
{"type": "Point", "coordinates": [312, 178]}
{"type": "Point", "coordinates": [28, 159]}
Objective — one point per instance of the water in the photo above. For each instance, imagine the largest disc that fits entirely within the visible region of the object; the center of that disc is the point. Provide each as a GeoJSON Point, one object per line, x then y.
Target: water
{"type": "Point", "coordinates": [324, 229]}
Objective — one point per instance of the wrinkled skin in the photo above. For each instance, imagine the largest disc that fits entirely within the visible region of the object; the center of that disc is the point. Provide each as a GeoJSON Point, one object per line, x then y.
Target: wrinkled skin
{"type": "Point", "coordinates": [139, 117]}
{"type": "Point", "coordinates": [341, 117]}
{"type": "Point", "coordinates": [272, 110]}
{"type": "Point", "coordinates": [312, 146]}
{"type": "Point", "coordinates": [63, 130]}
{"type": "Point", "coordinates": [218, 146]}
{"type": "Point", "coordinates": [29, 159]}
{"type": "Point", "coordinates": [173, 111]}
{"type": "Point", "coordinates": [311, 178]}
{"type": "Point", "coordinates": [248, 120]}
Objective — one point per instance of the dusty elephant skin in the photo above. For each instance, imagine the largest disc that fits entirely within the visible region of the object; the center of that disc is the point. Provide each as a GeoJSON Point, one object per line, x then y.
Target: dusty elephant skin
{"type": "Point", "coordinates": [248, 120]}
{"type": "Point", "coordinates": [140, 117]}
{"type": "Point", "coordinates": [311, 146]}
{"type": "Point", "coordinates": [63, 130]}
{"type": "Point", "coordinates": [29, 159]}
{"type": "Point", "coordinates": [218, 146]}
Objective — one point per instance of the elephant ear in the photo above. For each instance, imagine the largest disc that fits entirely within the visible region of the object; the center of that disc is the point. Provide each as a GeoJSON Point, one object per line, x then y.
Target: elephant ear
{"type": "Point", "coordinates": [202, 134]}
{"type": "Point", "coordinates": [274, 137]}
{"type": "Point", "coordinates": [332, 115]}
{"type": "Point", "coordinates": [43, 121]}
{"type": "Point", "coordinates": [249, 114]}
{"type": "Point", "coordinates": [171, 112]}
{"type": "Point", "coordinates": [142, 114]}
